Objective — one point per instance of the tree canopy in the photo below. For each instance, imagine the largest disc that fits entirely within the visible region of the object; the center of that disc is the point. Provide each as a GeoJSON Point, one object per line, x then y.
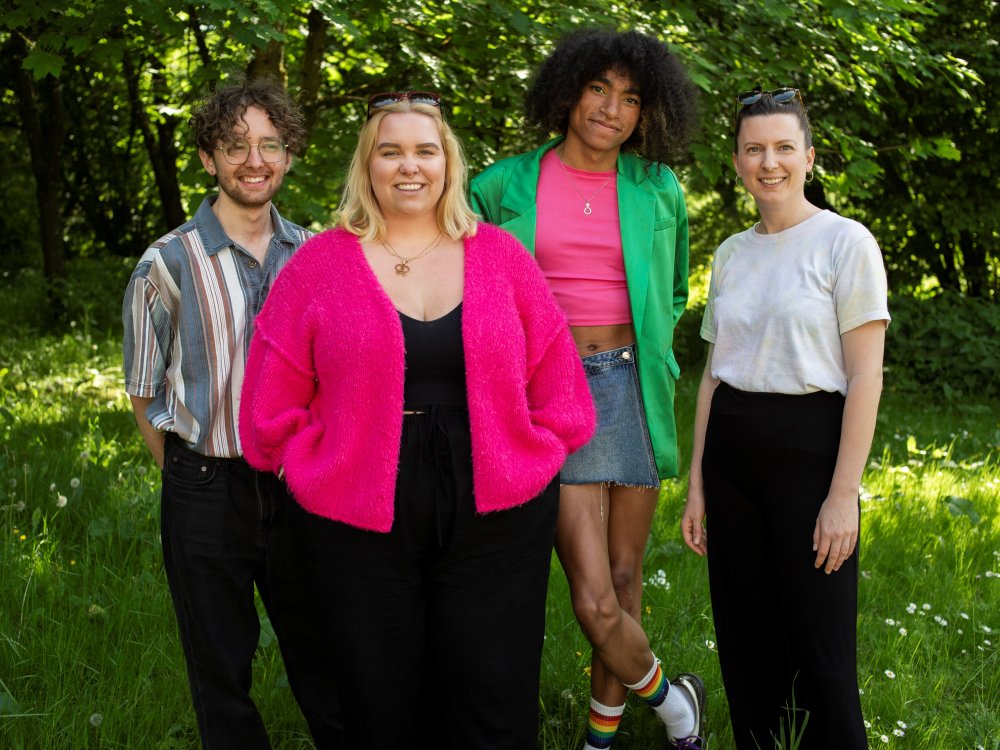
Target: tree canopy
{"type": "Point", "coordinates": [97, 94]}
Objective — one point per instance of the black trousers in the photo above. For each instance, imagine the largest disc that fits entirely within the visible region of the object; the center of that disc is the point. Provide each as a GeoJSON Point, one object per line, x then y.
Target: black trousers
{"type": "Point", "coordinates": [787, 632]}
{"type": "Point", "coordinates": [435, 629]}
{"type": "Point", "coordinates": [224, 529]}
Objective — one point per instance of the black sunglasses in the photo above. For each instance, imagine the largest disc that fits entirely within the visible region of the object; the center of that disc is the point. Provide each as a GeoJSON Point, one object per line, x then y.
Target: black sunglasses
{"type": "Point", "coordinates": [377, 101]}
{"type": "Point", "coordinates": [778, 96]}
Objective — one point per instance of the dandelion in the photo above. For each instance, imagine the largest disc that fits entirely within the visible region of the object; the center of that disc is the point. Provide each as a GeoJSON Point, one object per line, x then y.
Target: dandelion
{"type": "Point", "coordinates": [890, 674]}
{"type": "Point", "coordinates": [903, 631]}
{"type": "Point", "coordinates": [61, 501]}
{"type": "Point", "coordinates": [20, 506]}
{"type": "Point", "coordinates": [72, 562]}
{"type": "Point", "coordinates": [12, 482]}
{"type": "Point", "coordinates": [85, 455]}
{"type": "Point", "coordinates": [140, 470]}
{"type": "Point", "coordinates": [567, 695]}
{"type": "Point", "coordinates": [74, 482]}
{"type": "Point", "coordinates": [95, 720]}
{"type": "Point", "coordinates": [587, 670]}
{"type": "Point", "coordinates": [52, 487]}
{"type": "Point", "coordinates": [710, 645]}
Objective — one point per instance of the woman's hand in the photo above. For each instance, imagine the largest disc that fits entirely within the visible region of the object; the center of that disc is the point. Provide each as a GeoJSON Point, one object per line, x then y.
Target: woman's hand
{"type": "Point", "coordinates": [693, 522]}
{"type": "Point", "coordinates": [836, 532]}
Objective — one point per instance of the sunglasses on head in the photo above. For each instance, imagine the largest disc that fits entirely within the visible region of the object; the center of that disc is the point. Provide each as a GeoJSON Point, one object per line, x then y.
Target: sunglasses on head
{"type": "Point", "coordinates": [778, 96]}
{"type": "Point", "coordinates": [377, 101]}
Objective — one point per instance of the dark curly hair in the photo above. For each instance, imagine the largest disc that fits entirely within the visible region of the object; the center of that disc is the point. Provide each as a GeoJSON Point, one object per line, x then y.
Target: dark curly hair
{"type": "Point", "coordinates": [669, 114]}
{"type": "Point", "coordinates": [767, 106]}
{"type": "Point", "coordinates": [220, 114]}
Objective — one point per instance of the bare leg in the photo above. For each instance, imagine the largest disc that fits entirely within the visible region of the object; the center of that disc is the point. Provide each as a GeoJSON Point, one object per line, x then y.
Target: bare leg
{"type": "Point", "coordinates": [583, 541]}
{"type": "Point", "coordinates": [628, 515]}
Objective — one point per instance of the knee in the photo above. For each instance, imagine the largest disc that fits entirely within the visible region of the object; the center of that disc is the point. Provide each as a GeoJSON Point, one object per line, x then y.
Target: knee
{"type": "Point", "coordinates": [598, 615]}
{"type": "Point", "coordinates": [627, 583]}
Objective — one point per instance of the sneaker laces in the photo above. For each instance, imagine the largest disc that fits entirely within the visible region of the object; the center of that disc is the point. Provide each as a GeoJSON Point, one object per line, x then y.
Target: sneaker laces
{"type": "Point", "coordinates": [694, 742]}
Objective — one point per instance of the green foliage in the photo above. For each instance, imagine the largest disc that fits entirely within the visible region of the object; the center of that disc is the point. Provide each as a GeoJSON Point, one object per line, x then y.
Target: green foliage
{"type": "Point", "coordinates": [900, 94]}
{"type": "Point", "coordinates": [945, 345]}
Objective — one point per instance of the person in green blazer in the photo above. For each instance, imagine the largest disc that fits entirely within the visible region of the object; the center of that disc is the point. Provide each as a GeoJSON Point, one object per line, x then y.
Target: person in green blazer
{"type": "Point", "coordinates": [605, 219]}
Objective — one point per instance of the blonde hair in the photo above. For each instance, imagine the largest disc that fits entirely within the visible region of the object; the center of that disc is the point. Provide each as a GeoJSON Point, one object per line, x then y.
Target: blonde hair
{"type": "Point", "coordinates": [359, 212]}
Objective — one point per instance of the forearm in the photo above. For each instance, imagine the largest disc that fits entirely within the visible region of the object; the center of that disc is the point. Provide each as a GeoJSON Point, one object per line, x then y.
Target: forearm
{"type": "Point", "coordinates": [857, 431]}
{"type": "Point", "coordinates": [153, 438]}
{"type": "Point", "coordinates": [703, 405]}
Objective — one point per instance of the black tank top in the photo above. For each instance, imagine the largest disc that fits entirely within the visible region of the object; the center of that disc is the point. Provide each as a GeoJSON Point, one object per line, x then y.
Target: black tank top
{"type": "Point", "coordinates": [435, 362]}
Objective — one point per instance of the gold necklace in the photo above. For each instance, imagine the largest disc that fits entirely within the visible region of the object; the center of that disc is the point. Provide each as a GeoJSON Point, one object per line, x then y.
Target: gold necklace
{"type": "Point", "coordinates": [403, 267]}
{"type": "Point", "coordinates": [587, 210]}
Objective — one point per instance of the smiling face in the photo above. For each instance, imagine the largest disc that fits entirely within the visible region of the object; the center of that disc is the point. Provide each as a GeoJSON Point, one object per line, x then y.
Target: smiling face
{"type": "Point", "coordinates": [255, 182]}
{"type": "Point", "coordinates": [772, 159]}
{"type": "Point", "coordinates": [605, 116]}
{"type": "Point", "coordinates": [408, 166]}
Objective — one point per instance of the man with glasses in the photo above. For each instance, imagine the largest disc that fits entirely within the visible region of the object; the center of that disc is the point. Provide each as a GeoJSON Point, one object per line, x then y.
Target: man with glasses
{"type": "Point", "coordinates": [188, 314]}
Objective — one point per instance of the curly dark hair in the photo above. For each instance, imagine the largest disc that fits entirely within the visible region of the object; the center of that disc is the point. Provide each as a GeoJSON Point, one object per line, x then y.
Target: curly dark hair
{"type": "Point", "coordinates": [668, 118]}
{"type": "Point", "coordinates": [219, 115]}
{"type": "Point", "coordinates": [767, 106]}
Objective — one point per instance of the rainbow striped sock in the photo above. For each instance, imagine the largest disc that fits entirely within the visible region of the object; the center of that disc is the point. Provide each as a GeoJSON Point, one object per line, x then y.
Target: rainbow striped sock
{"type": "Point", "coordinates": [602, 725]}
{"type": "Point", "coordinates": [653, 687]}
{"type": "Point", "coordinates": [670, 706]}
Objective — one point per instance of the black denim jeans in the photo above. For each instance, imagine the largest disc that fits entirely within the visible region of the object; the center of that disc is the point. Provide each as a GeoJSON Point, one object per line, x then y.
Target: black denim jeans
{"type": "Point", "coordinates": [224, 529]}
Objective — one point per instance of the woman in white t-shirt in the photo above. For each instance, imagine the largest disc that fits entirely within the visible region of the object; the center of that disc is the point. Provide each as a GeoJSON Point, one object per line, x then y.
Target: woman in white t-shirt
{"type": "Point", "coordinates": [796, 320]}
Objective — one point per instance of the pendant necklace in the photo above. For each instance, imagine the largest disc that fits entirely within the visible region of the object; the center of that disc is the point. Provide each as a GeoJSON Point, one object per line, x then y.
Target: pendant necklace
{"type": "Point", "coordinates": [587, 210]}
{"type": "Point", "coordinates": [403, 267]}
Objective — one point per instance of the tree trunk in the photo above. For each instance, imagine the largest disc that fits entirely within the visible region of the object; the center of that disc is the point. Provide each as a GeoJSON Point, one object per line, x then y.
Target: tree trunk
{"type": "Point", "coordinates": [312, 70]}
{"type": "Point", "coordinates": [268, 61]}
{"type": "Point", "coordinates": [159, 145]}
{"type": "Point", "coordinates": [974, 266]}
{"type": "Point", "coordinates": [40, 107]}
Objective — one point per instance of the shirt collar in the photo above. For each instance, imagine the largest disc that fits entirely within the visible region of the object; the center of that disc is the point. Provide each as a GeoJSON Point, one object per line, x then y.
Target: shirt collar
{"type": "Point", "coordinates": [214, 237]}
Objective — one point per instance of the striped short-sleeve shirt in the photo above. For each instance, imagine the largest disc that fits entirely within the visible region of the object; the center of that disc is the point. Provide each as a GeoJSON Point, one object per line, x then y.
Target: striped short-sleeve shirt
{"type": "Point", "coordinates": [188, 315]}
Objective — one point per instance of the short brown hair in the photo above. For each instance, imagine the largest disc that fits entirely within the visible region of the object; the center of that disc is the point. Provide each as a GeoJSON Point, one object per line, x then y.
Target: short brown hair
{"type": "Point", "coordinates": [219, 115]}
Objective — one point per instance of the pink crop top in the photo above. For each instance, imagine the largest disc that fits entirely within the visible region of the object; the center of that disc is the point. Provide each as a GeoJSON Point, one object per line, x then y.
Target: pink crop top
{"type": "Point", "coordinates": [581, 254]}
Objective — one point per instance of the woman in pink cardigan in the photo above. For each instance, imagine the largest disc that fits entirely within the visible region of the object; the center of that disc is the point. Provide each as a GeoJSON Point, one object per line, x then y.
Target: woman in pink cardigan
{"type": "Point", "coordinates": [414, 381]}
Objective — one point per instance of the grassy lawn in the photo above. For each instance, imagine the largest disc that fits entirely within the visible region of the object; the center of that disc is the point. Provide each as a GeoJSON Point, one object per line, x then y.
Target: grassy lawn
{"type": "Point", "coordinates": [88, 649]}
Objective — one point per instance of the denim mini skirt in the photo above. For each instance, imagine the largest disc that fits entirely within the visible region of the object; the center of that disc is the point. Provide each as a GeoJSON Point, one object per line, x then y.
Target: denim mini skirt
{"type": "Point", "coordinates": [620, 451]}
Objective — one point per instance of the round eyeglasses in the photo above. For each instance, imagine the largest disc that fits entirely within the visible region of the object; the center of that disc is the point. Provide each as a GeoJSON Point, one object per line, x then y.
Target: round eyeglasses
{"type": "Point", "coordinates": [237, 152]}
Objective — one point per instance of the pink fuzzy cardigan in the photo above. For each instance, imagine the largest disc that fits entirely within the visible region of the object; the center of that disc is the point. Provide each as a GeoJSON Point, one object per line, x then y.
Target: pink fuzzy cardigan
{"type": "Point", "coordinates": [323, 391]}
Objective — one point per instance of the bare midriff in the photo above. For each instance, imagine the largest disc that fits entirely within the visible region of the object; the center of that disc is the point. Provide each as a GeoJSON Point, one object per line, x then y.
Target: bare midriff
{"type": "Point", "coordinates": [593, 339]}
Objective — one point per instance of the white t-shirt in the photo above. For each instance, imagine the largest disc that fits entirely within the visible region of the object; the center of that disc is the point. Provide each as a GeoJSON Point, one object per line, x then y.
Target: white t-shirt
{"type": "Point", "coordinates": [778, 304]}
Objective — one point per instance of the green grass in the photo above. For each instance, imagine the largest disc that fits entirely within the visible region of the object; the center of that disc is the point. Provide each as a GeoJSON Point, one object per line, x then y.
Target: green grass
{"type": "Point", "coordinates": [89, 656]}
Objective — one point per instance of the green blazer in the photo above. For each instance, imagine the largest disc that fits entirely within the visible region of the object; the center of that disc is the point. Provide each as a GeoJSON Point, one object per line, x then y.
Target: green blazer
{"type": "Point", "coordinates": [654, 230]}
